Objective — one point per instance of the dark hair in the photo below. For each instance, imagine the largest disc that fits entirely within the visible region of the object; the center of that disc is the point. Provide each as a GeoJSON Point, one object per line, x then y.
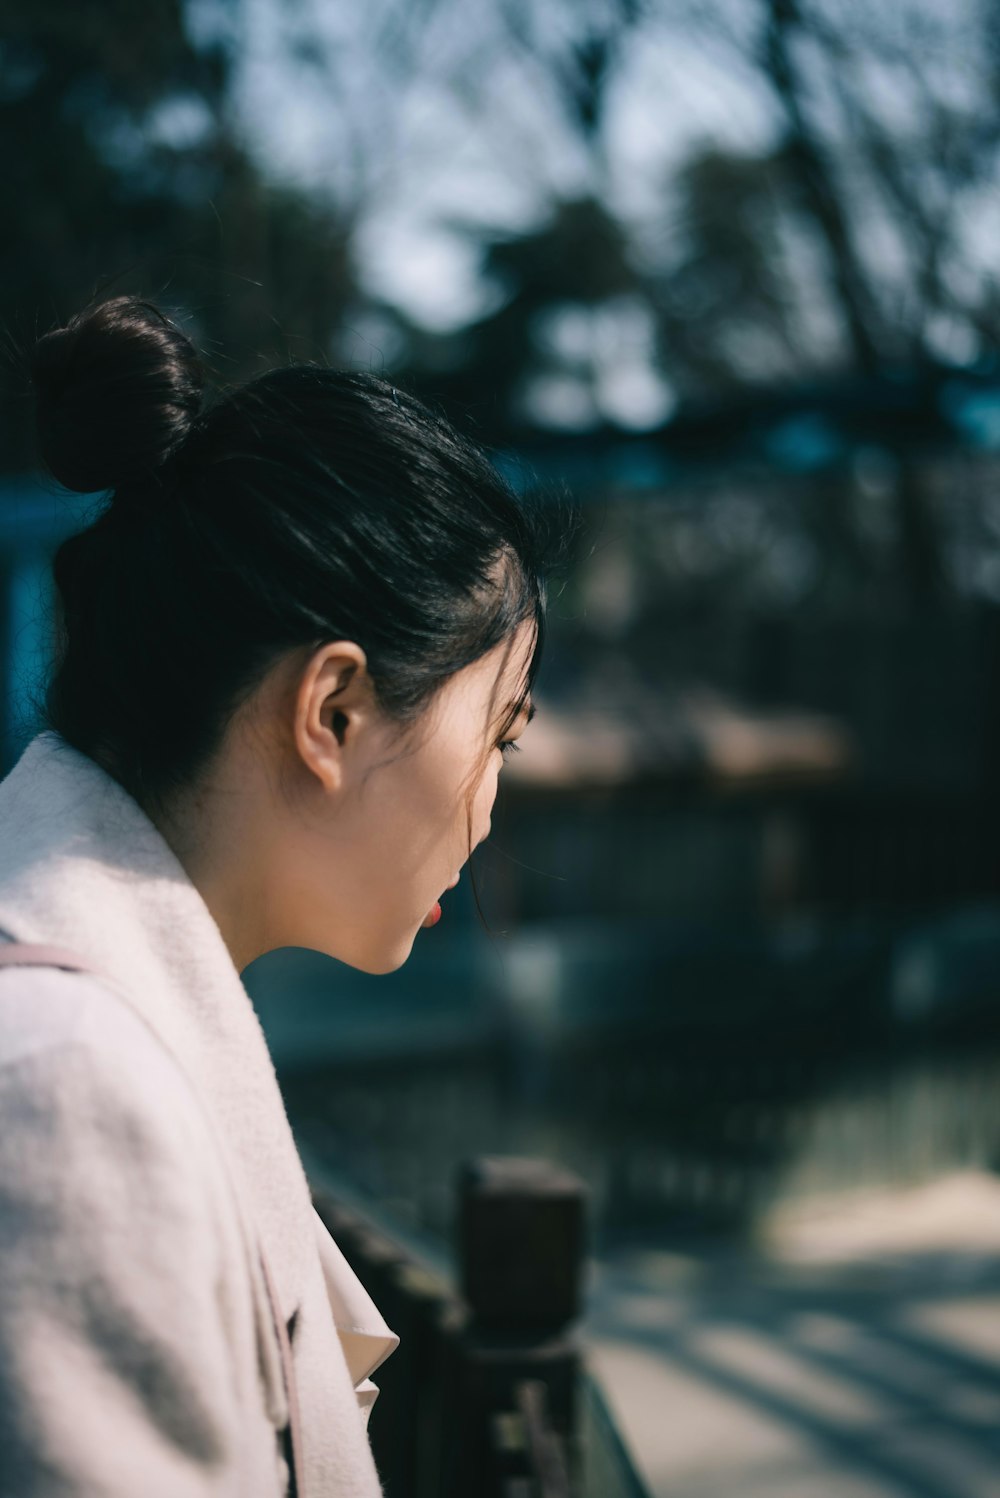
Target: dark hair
{"type": "Point", "coordinates": [305, 505]}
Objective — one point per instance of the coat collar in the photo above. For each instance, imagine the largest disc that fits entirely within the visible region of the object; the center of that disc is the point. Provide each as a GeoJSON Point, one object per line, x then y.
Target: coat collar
{"type": "Point", "coordinates": [82, 866]}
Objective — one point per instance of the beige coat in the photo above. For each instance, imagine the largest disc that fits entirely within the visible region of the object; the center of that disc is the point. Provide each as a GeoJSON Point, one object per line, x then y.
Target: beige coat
{"type": "Point", "coordinates": [143, 1144]}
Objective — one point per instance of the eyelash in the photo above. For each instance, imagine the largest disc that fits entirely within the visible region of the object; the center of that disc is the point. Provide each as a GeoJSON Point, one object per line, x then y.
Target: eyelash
{"type": "Point", "coordinates": [508, 744]}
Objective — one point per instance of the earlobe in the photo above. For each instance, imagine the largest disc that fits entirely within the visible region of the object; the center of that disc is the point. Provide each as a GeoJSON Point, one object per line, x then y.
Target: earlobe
{"type": "Point", "coordinates": [317, 744]}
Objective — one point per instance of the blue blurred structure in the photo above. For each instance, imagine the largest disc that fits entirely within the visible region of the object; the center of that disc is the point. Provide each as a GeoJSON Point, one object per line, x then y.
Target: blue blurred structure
{"type": "Point", "coordinates": [34, 518]}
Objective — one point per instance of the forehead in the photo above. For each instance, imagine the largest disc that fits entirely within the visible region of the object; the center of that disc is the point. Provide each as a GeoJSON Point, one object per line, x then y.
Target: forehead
{"type": "Point", "coordinates": [512, 658]}
{"type": "Point", "coordinates": [495, 681]}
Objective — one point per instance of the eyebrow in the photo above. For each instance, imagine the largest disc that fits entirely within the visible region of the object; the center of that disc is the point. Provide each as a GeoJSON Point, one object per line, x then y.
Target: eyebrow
{"type": "Point", "coordinates": [528, 706]}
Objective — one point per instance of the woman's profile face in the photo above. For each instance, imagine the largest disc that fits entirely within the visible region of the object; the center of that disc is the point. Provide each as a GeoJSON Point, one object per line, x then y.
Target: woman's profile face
{"type": "Point", "coordinates": [385, 824]}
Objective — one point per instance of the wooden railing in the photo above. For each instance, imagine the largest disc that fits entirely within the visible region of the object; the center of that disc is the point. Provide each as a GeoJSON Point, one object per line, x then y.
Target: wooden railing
{"type": "Point", "coordinates": [488, 1393]}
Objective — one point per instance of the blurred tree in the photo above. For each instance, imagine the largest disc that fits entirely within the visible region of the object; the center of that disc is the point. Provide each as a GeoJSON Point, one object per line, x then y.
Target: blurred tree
{"type": "Point", "coordinates": [581, 65]}
{"type": "Point", "coordinates": [123, 172]}
{"type": "Point", "coordinates": [726, 298]}
{"type": "Point", "coordinates": [810, 169]}
{"type": "Point", "coordinates": [875, 335]}
{"type": "Point", "coordinates": [576, 262]}
{"type": "Point", "coordinates": [845, 249]}
{"type": "Point", "coordinates": [842, 247]}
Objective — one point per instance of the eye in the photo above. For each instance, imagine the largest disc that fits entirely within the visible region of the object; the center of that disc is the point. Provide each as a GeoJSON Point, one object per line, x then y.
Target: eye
{"type": "Point", "coordinates": [508, 746]}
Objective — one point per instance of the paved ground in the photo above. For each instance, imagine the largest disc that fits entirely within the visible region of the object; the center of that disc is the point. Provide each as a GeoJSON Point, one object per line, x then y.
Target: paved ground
{"type": "Point", "coordinates": [856, 1355]}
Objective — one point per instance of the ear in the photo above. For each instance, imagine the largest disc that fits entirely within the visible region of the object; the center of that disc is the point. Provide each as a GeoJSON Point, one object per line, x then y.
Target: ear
{"type": "Point", "coordinates": [333, 700]}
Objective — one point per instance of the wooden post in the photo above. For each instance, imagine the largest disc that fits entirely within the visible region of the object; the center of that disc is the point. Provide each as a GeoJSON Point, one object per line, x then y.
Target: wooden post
{"type": "Point", "coordinates": [520, 1244]}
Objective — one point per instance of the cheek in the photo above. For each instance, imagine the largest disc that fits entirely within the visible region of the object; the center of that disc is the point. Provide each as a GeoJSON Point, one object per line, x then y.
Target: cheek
{"type": "Point", "coordinates": [485, 798]}
{"type": "Point", "coordinates": [470, 818]}
{"type": "Point", "coordinates": [431, 816]}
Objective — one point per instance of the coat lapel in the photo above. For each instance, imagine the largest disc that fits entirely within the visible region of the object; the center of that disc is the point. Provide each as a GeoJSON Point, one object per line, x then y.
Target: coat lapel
{"type": "Point", "coordinates": [366, 1339]}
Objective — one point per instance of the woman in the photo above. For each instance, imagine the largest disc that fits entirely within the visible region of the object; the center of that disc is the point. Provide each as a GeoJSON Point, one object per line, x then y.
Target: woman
{"type": "Point", "coordinates": [293, 651]}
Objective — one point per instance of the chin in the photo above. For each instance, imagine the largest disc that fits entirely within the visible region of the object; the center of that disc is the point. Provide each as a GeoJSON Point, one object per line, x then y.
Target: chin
{"type": "Point", "coordinates": [399, 957]}
{"type": "Point", "coordinates": [389, 961]}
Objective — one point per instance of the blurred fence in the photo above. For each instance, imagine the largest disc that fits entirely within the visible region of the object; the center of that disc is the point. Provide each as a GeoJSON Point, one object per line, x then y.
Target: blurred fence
{"type": "Point", "coordinates": [694, 1083]}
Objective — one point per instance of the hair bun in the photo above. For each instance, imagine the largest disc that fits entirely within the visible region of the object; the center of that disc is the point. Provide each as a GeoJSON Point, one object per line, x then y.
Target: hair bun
{"type": "Point", "coordinates": [117, 392]}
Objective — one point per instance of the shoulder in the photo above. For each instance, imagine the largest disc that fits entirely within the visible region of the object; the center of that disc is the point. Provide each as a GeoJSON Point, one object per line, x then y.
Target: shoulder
{"type": "Point", "coordinates": [92, 1106]}
{"type": "Point", "coordinates": [47, 1013]}
{"type": "Point", "coordinates": [45, 1008]}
